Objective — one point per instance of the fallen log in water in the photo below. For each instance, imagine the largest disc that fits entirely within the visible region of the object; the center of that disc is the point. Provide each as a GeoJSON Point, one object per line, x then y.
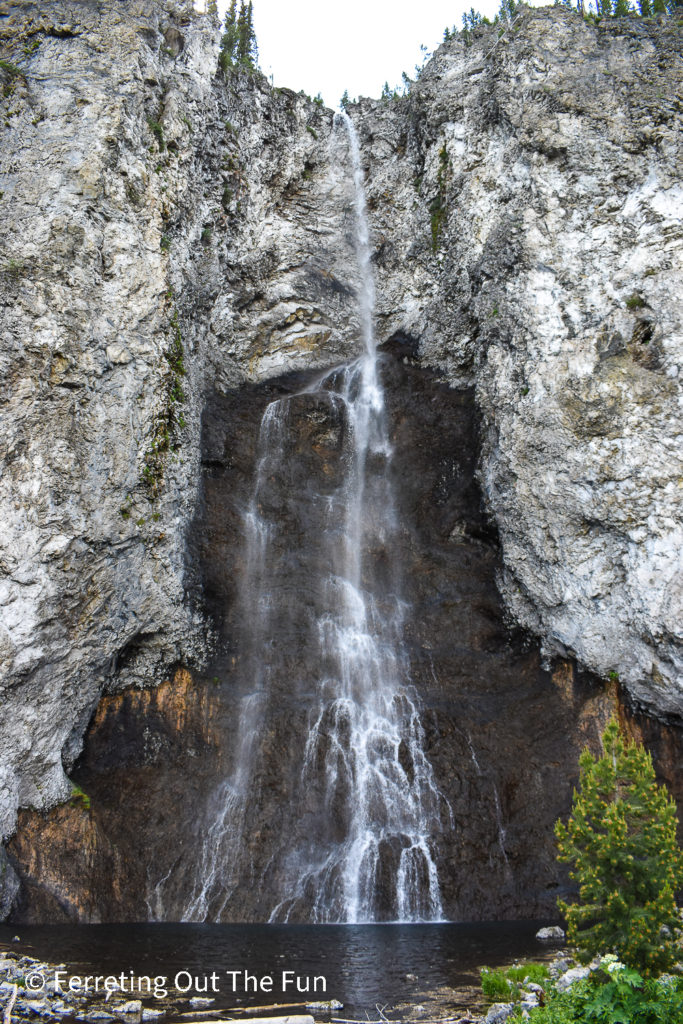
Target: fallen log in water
{"type": "Point", "coordinates": [302, 1018]}
{"type": "Point", "coordinates": [206, 1014]}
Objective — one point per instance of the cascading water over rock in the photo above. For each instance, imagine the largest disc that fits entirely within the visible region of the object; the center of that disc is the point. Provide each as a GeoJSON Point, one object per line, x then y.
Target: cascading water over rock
{"type": "Point", "coordinates": [319, 575]}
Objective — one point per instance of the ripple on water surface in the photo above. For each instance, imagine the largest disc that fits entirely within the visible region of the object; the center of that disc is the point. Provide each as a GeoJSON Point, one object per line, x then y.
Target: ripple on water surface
{"type": "Point", "coordinates": [418, 971]}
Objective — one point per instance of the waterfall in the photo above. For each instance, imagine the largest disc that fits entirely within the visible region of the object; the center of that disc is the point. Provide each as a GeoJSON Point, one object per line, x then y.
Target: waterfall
{"type": "Point", "coordinates": [364, 785]}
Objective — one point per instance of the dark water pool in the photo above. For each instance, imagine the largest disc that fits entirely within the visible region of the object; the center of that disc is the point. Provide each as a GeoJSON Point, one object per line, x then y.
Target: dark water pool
{"type": "Point", "coordinates": [399, 967]}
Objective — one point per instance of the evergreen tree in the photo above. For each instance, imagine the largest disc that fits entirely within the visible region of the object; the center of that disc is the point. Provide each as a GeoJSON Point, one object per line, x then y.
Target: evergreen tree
{"type": "Point", "coordinates": [622, 9]}
{"type": "Point", "coordinates": [659, 7]}
{"type": "Point", "coordinates": [644, 8]}
{"type": "Point", "coordinates": [621, 842]}
{"type": "Point", "coordinates": [238, 44]}
{"type": "Point", "coordinates": [471, 19]}
{"type": "Point", "coordinates": [229, 38]}
{"type": "Point", "coordinates": [506, 11]}
{"type": "Point", "coordinates": [252, 46]}
{"type": "Point", "coordinates": [344, 102]}
{"type": "Point", "coordinates": [242, 34]}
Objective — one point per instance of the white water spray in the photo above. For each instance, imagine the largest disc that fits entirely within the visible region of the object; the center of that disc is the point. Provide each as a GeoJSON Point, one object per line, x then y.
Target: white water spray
{"type": "Point", "coordinates": [364, 766]}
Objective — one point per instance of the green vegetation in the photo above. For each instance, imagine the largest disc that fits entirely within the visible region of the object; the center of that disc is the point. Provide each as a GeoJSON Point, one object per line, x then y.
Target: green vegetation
{"type": "Point", "coordinates": [31, 45]}
{"type": "Point", "coordinates": [311, 131]}
{"type": "Point", "coordinates": [507, 986]}
{"type": "Point", "coordinates": [14, 269]}
{"type": "Point", "coordinates": [437, 207]}
{"type": "Point", "coordinates": [158, 132]}
{"type": "Point", "coordinates": [613, 994]}
{"type": "Point", "coordinates": [635, 301]}
{"type": "Point", "coordinates": [78, 797]}
{"type": "Point", "coordinates": [621, 842]}
{"type": "Point", "coordinates": [9, 76]}
{"type": "Point", "coordinates": [165, 243]}
{"type": "Point", "coordinates": [170, 420]}
{"type": "Point", "coordinates": [11, 69]}
{"type": "Point", "coordinates": [590, 9]}
{"type": "Point", "coordinates": [238, 44]}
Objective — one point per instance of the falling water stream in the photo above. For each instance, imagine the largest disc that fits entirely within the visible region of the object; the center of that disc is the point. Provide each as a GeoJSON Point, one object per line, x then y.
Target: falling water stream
{"type": "Point", "coordinates": [363, 769]}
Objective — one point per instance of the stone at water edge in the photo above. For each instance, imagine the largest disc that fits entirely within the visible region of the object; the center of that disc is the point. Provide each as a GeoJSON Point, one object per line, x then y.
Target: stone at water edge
{"type": "Point", "coordinates": [132, 1008]}
{"type": "Point", "coordinates": [572, 975]}
{"type": "Point", "coordinates": [498, 1013]}
{"type": "Point", "coordinates": [200, 1002]}
{"type": "Point", "coordinates": [550, 934]}
{"type": "Point", "coordinates": [559, 966]}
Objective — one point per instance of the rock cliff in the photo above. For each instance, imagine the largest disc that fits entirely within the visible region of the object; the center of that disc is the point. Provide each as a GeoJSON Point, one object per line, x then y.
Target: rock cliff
{"type": "Point", "coordinates": [542, 262]}
{"type": "Point", "coordinates": [168, 232]}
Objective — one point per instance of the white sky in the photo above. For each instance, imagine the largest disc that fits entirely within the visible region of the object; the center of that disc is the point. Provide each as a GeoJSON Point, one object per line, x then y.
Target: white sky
{"type": "Point", "coordinates": [325, 47]}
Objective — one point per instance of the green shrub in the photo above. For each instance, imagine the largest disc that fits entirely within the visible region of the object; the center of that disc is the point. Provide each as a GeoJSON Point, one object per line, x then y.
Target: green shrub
{"type": "Point", "coordinates": [158, 132]}
{"type": "Point", "coordinates": [437, 208]}
{"type": "Point", "coordinates": [614, 995]}
{"type": "Point", "coordinates": [507, 985]}
{"type": "Point", "coordinates": [536, 973]}
{"type": "Point", "coordinates": [11, 69]}
{"type": "Point", "coordinates": [79, 797]}
{"type": "Point", "coordinates": [495, 985]}
{"type": "Point", "coordinates": [621, 842]}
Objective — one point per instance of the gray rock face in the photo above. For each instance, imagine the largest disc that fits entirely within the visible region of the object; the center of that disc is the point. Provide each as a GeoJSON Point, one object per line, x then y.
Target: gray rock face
{"type": "Point", "coordinates": [528, 214]}
{"type": "Point", "coordinates": [92, 587]}
{"type": "Point", "coordinates": [162, 228]}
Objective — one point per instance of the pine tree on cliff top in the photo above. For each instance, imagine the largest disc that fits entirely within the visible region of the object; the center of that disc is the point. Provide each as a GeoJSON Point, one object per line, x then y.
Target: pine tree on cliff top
{"type": "Point", "coordinates": [238, 44]}
{"type": "Point", "coordinates": [621, 842]}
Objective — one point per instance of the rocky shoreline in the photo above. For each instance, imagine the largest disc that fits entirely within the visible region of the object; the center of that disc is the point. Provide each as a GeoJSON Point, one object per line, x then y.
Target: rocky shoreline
{"type": "Point", "coordinates": [32, 989]}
